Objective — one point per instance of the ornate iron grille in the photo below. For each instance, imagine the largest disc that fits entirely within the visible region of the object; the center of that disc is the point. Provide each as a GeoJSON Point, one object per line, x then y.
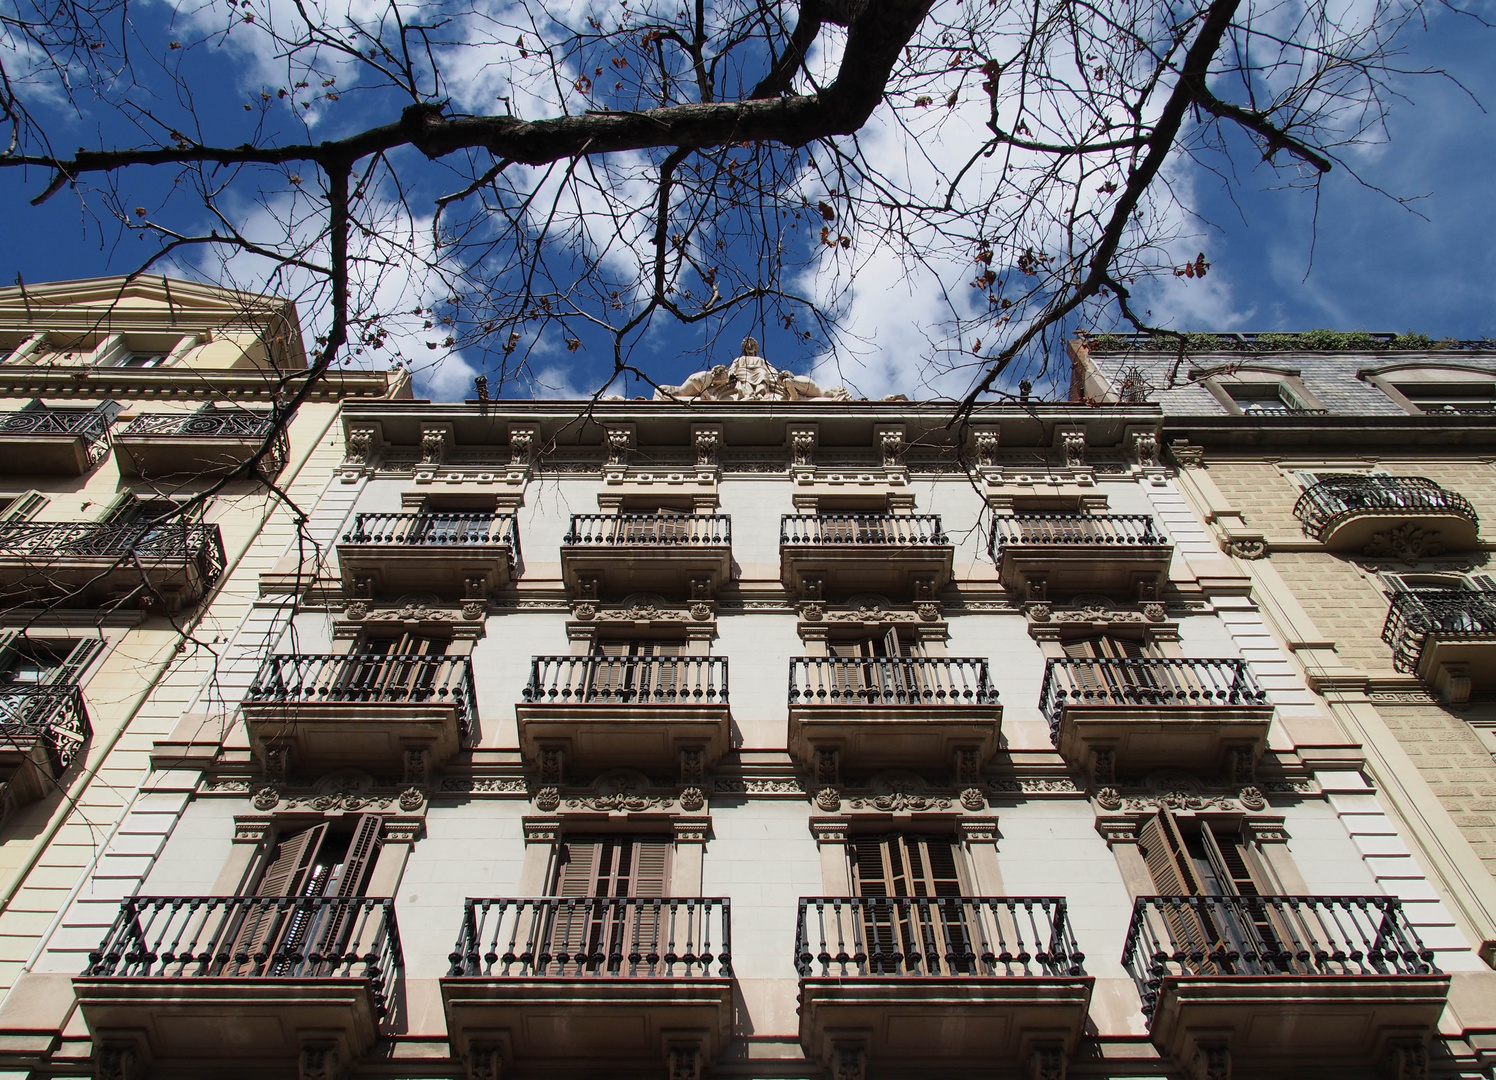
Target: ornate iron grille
{"type": "Point", "coordinates": [1451, 614]}
{"type": "Point", "coordinates": [1268, 936]}
{"type": "Point", "coordinates": [1325, 504]}
{"type": "Point", "coordinates": [368, 677]}
{"type": "Point", "coordinates": [89, 424]}
{"type": "Point", "coordinates": [627, 680]}
{"type": "Point", "coordinates": [1150, 682]}
{"type": "Point", "coordinates": [879, 680]}
{"type": "Point", "coordinates": [55, 715]}
{"type": "Point", "coordinates": [594, 938]}
{"type": "Point", "coordinates": [254, 937]}
{"type": "Point", "coordinates": [1002, 937]}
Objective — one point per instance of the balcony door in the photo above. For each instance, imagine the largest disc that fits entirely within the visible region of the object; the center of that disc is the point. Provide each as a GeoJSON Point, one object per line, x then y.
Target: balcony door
{"type": "Point", "coordinates": [1211, 861]}
{"type": "Point", "coordinates": [652, 523]}
{"type": "Point", "coordinates": [25, 663]}
{"type": "Point", "coordinates": [913, 919]}
{"type": "Point", "coordinates": [1110, 667]}
{"type": "Point", "coordinates": [637, 671]}
{"type": "Point", "coordinates": [874, 669]}
{"type": "Point", "coordinates": [606, 919]}
{"type": "Point", "coordinates": [402, 667]}
{"type": "Point", "coordinates": [312, 863]}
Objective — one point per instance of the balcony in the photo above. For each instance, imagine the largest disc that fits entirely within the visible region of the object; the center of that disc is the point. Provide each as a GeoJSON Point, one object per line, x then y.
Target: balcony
{"type": "Point", "coordinates": [360, 709]}
{"type": "Point", "coordinates": [596, 985]}
{"type": "Point", "coordinates": [1346, 512]}
{"type": "Point", "coordinates": [1447, 637]}
{"type": "Point", "coordinates": [194, 443]}
{"type": "Point", "coordinates": [874, 713]}
{"type": "Point", "coordinates": [958, 984]}
{"type": "Point", "coordinates": [224, 982]}
{"type": "Point", "coordinates": [627, 553]}
{"type": "Point", "coordinates": [638, 712]}
{"type": "Point", "coordinates": [1109, 716]}
{"type": "Point", "coordinates": [84, 564]}
{"type": "Point", "coordinates": [852, 553]}
{"type": "Point", "coordinates": [42, 730]}
{"type": "Point", "coordinates": [1113, 554]}
{"type": "Point", "coordinates": [439, 552]}
{"type": "Point", "coordinates": [54, 442]}
{"type": "Point", "coordinates": [1293, 982]}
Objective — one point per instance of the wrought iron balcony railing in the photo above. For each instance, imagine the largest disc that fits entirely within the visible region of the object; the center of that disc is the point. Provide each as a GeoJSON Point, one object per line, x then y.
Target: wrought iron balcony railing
{"type": "Point", "coordinates": [1002, 937]}
{"type": "Point", "coordinates": [53, 714]}
{"type": "Point", "coordinates": [1323, 505]}
{"type": "Point", "coordinates": [368, 677]}
{"type": "Point", "coordinates": [894, 530]}
{"type": "Point", "coordinates": [1269, 936]}
{"type": "Point", "coordinates": [1074, 530]}
{"type": "Point", "coordinates": [91, 425]}
{"type": "Point", "coordinates": [253, 937]}
{"type": "Point", "coordinates": [151, 544]}
{"type": "Point", "coordinates": [1453, 614]}
{"type": "Point", "coordinates": [924, 680]}
{"type": "Point", "coordinates": [214, 424]}
{"type": "Point", "coordinates": [627, 680]}
{"type": "Point", "coordinates": [440, 529]}
{"type": "Point", "coordinates": [1153, 682]}
{"type": "Point", "coordinates": [651, 530]}
{"type": "Point", "coordinates": [594, 938]}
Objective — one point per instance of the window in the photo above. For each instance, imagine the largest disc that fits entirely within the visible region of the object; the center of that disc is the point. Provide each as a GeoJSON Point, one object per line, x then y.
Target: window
{"type": "Point", "coordinates": [1099, 664]}
{"type": "Point", "coordinates": [324, 860]}
{"type": "Point", "coordinates": [911, 888]}
{"type": "Point", "coordinates": [399, 667]}
{"type": "Point", "coordinates": [1263, 399]}
{"type": "Point", "coordinates": [593, 929]}
{"type": "Point", "coordinates": [142, 359]}
{"type": "Point", "coordinates": [638, 670]}
{"type": "Point", "coordinates": [653, 521]}
{"type": "Point", "coordinates": [1208, 858]}
{"type": "Point", "coordinates": [31, 662]}
{"type": "Point", "coordinates": [1451, 398]}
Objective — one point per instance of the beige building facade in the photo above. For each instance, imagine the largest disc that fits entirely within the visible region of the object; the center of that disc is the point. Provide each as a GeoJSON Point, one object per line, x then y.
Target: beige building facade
{"type": "Point", "coordinates": [1354, 487]}
{"type": "Point", "coordinates": [763, 733]}
{"type": "Point", "coordinates": [136, 442]}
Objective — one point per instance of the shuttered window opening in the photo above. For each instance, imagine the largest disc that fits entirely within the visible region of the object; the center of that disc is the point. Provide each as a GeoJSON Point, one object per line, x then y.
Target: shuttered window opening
{"type": "Point", "coordinates": [1117, 680]}
{"type": "Point", "coordinates": [913, 917]}
{"type": "Point", "coordinates": [638, 670]}
{"type": "Point", "coordinates": [592, 931]}
{"type": "Point", "coordinates": [1210, 860]}
{"type": "Point", "coordinates": [26, 662]}
{"type": "Point", "coordinates": [881, 677]}
{"type": "Point", "coordinates": [314, 862]}
{"type": "Point", "coordinates": [395, 667]}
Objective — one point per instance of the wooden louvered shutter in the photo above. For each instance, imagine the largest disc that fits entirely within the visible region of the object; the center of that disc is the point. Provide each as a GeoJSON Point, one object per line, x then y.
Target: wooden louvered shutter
{"type": "Point", "coordinates": [338, 921]}
{"type": "Point", "coordinates": [610, 672]}
{"type": "Point", "coordinates": [264, 924]}
{"type": "Point", "coordinates": [672, 526]}
{"type": "Point", "coordinates": [70, 671]}
{"type": "Point", "coordinates": [593, 930]}
{"type": "Point", "coordinates": [660, 679]}
{"type": "Point", "coordinates": [1193, 935]}
{"type": "Point", "coordinates": [912, 916]}
{"type": "Point", "coordinates": [567, 938]}
{"type": "Point", "coordinates": [1255, 930]}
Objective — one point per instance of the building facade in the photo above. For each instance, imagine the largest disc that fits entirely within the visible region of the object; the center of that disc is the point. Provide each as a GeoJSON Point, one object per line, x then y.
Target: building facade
{"type": "Point", "coordinates": [757, 733]}
{"type": "Point", "coordinates": [135, 445]}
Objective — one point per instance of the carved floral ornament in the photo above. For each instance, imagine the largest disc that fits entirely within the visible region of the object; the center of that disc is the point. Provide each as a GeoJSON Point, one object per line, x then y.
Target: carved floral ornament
{"type": "Point", "coordinates": [1090, 611]}
{"type": "Point", "coordinates": [898, 793]}
{"type": "Point", "coordinates": [622, 791]}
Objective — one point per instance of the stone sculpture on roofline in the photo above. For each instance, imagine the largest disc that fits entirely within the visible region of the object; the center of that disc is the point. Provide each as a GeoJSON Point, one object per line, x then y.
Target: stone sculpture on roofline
{"type": "Point", "coordinates": [749, 378]}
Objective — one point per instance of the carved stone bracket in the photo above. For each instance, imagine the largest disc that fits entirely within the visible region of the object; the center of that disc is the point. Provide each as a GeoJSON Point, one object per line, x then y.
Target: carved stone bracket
{"type": "Point", "coordinates": [684, 1061]}
{"type": "Point", "coordinates": [693, 766]}
{"type": "Point", "coordinates": [1047, 1062]}
{"type": "Point", "coordinates": [802, 442]}
{"type": "Point", "coordinates": [319, 1061]}
{"type": "Point", "coordinates": [1185, 455]}
{"type": "Point", "coordinates": [827, 766]}
{"type": "Point", "coordinates": [485, 1062]}
{"type": "Point", "coordinates": [358, 448]}
{"type": "Point", "coordinates": [1073, 447]}
{"type": "Point", "coordinates": [115, 1061]}
{"type": "Point", "coordinates": [1407, 1059]}
{"type": "Point", "coordinates": [1143, 447]}
{"type": "Point", "coordinates": [523, 444]}
{"type": "Point", "coordinates": [848, 1061]}
{"type": "Point", "coordinates": [1211, 1063]}
{"type": "Point", "coordinates": [831, 830]}
{"type": "Point", "coordinates": [619, 441]}
{"type": "Point", "coordinates": [707, 442]}
{"type": "Point", "coordinates": [434, 445]}
{"type": "Point", "coordinates": [890, 444]}
{"type": "Point", "coordinates": [984, 442]}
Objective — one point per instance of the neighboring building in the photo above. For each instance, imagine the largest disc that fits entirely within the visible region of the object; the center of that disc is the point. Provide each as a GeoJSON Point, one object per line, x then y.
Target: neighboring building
{"type": "Point", "coordinates": [135, 438]}
{"type": "Point", "coordinates": [775, 735]}
{"type": "Point", "coordinates": [1352, 479]}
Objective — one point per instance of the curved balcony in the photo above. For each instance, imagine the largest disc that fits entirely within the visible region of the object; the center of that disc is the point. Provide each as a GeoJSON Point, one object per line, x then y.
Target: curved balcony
{"type": "Point", "coordinates": [1051, 555]}
{"type": "Point", "coordinates": [642, 712]}
{"type": "Point", "coordinates": [626, 553]}
{"type": "Point", "coordinates": [1110, 716]}
{"type": "Point", "coordinates": [85, 564]}
{"type": "Point", "coordinates": [962, 984]}
{"type": "Point", "coordinates": [851, 553]}
{"type": "Point", "coordinates": [455, 554]}
{"type": "Point", "coordinates": [871, 713]}
{"type": "Point", "coordinates": [368, 710]}
{"type": "Point", "coordinates": [1283, 982]}
{"type": "Point", "coordinates": [1447, 637]}
{"type": "Point", "coordinates": [207, 983]}
{"type": "Point", "coordinates": [1387, 515]}
{"type": "Point", "coordinates": [56, 442]}
{"type": "Point", "coordinates": [175, 444]}
{"type": "Point", "coordinates": [591, 983]}
{"type": "Point", "coordinates": [42, 731]}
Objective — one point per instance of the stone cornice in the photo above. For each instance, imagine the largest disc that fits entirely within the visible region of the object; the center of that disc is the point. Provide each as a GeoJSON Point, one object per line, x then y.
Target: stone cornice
{"type": "Point", "coordinates": [181, 382]}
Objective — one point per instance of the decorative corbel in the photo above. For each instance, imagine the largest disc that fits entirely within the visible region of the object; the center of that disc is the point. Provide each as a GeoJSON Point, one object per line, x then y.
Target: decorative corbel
{"type": "Point", "coordinates": [984, 442]}
{"type": "Point", "coordinates": [619, 441]}
{"type": "Point", "coordinates": [707, 442]}
{"type": "Point", "coordinates": [1073, 447]}
{"type": "Point", "coordinates": [358, 447]}
{"type": "Point", "coordinates": [1143, 447]}
{"type": "Point", "coordinates": [522, 443]}
{"type": "Point", "coordinates": [890, 445]}
{"type": "Point", "coordinates": [802, 441]}
{"type": "Point", "coordinates": [434, 445]}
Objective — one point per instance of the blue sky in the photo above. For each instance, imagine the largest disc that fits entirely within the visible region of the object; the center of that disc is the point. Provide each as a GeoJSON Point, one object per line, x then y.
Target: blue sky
{"type": "Point", "coordinates": [1366, 263]}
